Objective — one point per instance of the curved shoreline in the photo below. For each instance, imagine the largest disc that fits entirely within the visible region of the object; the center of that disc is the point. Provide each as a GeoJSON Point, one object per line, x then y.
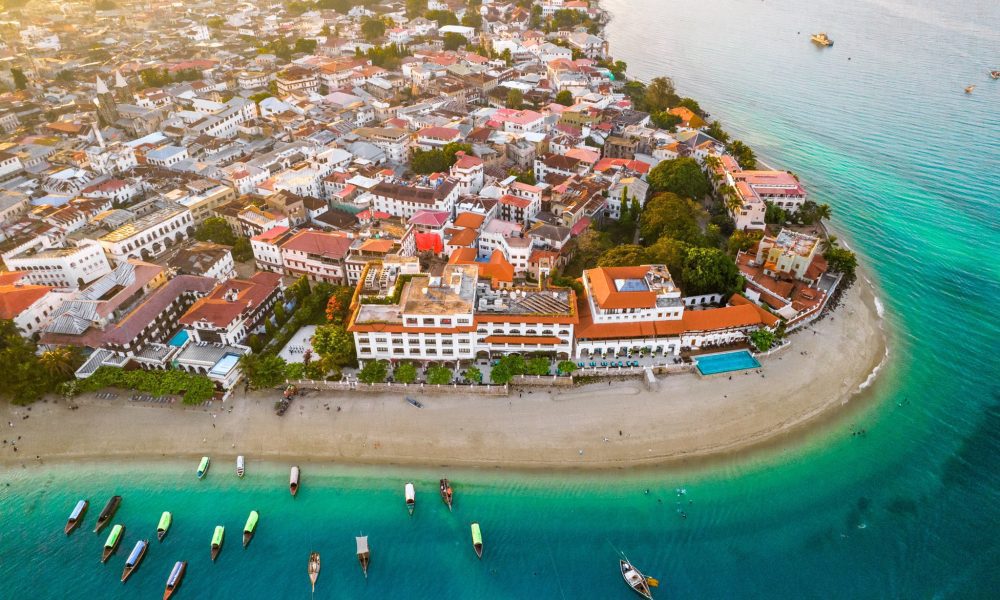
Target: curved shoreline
{"type": "Point", "coordinates": [811, 386]}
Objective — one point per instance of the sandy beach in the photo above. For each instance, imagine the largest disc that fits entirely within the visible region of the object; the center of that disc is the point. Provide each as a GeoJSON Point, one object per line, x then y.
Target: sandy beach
{"type": "Point", "coordinates": [595, 426]}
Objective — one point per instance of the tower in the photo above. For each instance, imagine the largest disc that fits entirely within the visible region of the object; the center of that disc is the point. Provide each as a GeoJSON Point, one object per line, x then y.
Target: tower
{"type": "Point", "coordinates": [123, 89]}
{"type": "Point", "coordinates": [107, 108]}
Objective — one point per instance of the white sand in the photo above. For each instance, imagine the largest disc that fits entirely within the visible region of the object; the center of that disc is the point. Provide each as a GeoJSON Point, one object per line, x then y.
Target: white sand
{"type": "Point", "coordinates": [686, 418]}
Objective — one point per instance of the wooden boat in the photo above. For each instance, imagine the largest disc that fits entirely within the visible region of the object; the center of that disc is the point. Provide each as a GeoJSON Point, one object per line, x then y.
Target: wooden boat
{"type": "Point", "coordinates": [636, 580]}
{"type": "Point", "coordinates": [114, 538]}
{"type": "Point", "coordinates": [134, 558]}
{"type": "Point", "coordinates": [446, 493]}
{"type": "Point", "coordinates": [217, 538]}
{"type": "Point", "coordinates": [293, 481]}
{"type": "Point", "coordinates": [176, 576]}
{"type": "Point", "coordinates": [203, 467]}
{"type": "Point", "coordinates": [240, 466]}
{"type": "Point", "coordinates": [313, 569]}
{"type": "Point", "coordinates": [995, 74]}
{"type": "Point", "coordinates": [821, 39]}
{"type": "Point", "coordinates": [477, 540]}
{"type": "Point", "coordinates": [250, 527]}
{"type": "Point", "coordinates": [76, 517]}
{"type": "Point", "coordinates": [107, 513]}
{"type": "Point", "coordinates": [161, 529]}
{"type": "Point", "coordinates": [364, 554]}
{"type": "Point", "coordinates": [415, 402]}
{"type": "Point", "coordinates": [969, 89]}
{"type": "Point", "coordinates": [411, 498]}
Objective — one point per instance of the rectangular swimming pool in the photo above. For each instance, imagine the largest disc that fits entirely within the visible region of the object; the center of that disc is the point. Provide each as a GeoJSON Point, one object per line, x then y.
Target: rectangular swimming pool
{"type": "Point", "coordinates": [713, 364]}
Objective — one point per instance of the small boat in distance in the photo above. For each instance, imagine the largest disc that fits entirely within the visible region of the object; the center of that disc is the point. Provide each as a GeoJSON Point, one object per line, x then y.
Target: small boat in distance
{"type": "Point", "coordinates": [969, 89]}
{"type": "Point", "coordinates": [364, 555]}
{"type": "Point", "coordinates": [161, 529]}
{"type": "Point", "coordinates": [415, 402]}
{"type": "Point", "coordinates": [76, 517]}
{"type": "Point", "coordinates": [240, 466]}
{"type": "Point", "coordinates": [477, 540]}
{"type": "Point", "coordinates": [134, 558]}
{"type": "Point", "coordinates": [995, 74]}
{"type": "Point", "coordinates": [821, 39]}
{"type": "Point", "coordinates": [217, 537]}
{"type": "Point", "coordinates": [250, 527]}
{"type": "Point", "coordinates": [313, 569]}
{"type": "Point", "coordinates": [636, 580]}
{"type": "Point", "coordinates": [411, 498]}
{"type": "Point", "coordinates": [293, 481]}
{"type": "Point", "coordinates": [114, 538]}
{"type": "Point", "coordinates": [176, 576]}
{"type": "Point", "coordinates": [203, 467]}
{"type": "Point", "coordinates": [446, 492]}
{"type": "Point", "coordinates": [107, 513]}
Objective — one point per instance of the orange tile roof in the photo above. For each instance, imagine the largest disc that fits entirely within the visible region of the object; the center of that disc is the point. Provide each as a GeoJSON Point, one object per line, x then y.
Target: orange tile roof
{"type": "Point", "coordinates": [220, 312]}
{"type": "Point", "coordinates": [15, 299]}
{"type": "Point", "coordinates": [330, 245]}
{"type": "Point", "coordinates": [464, 237]}
{"type": "Point", "coordinates": [606, 294]}
{"type": "Point", "coordinates": [377, 245]}
{"type": "Point", "coordinates": [469, 220]}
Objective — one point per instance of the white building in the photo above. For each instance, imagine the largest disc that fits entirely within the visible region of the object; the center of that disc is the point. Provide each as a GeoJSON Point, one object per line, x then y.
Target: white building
{"type": "Point", "coordinates": [150, 235]}
{"type": "Point", "coordinates": [62, 267]}
{"type": "Point", "coordinates": [405, 201]}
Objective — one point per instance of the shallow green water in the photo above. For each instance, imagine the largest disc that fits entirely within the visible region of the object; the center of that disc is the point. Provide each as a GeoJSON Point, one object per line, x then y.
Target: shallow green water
{"type": "Point", "coordinates": [909, 164]}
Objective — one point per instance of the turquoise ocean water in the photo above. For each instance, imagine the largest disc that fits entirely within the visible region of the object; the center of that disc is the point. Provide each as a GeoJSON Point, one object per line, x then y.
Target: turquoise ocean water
{"type": "Point", "coordinates": [910, 165]}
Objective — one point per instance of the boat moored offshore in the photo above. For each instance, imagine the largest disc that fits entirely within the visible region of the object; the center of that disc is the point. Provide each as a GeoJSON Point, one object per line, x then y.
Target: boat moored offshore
{"type": "Point", "coordinates": [240, 466]}
{"type": "Point", "coordinates": [161, 528]}
{"type": "Point", "coordinates": [293, 481]}
{"type": "Point", "coordinates": [76, 517]}
{"type": "Point", "coordinates": [477, 540]}
{"type": "Point", "coordinates": [203, 467]}
{"type": "Point", "coordinates": [250, 527]}
{"type": "Point", "coordinates": [217, 537]}
{"type": "Point", "coordinates": [821, 39]}
{"type": "Point", "coordinates": [636, 580]}
{"type": "Point", "coordinates": [175, 578]}
{"type": "Point", "coordinates": [446, 492]}
{"type": "Point", "coordinates": [364, 554]}
{"type": "Point", "coordinates": [111, 544]}
{"type": "Point", "coordinates": [107, 513]}
{"type": "Point", "coordinates": [313, 569]}
{"type": "Point", "coordinates": [134, 558]}
{"type": "Point", "coordinates": [411, 497]}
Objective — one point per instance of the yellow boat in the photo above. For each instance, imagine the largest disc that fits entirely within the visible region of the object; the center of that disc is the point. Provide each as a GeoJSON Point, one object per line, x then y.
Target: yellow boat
{"type": "Point", "coordinates": [821, 39]}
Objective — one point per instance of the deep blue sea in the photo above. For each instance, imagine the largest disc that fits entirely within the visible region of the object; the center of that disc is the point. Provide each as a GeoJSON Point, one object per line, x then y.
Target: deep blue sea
{"type": "Point", "coordinates": [877, 126]}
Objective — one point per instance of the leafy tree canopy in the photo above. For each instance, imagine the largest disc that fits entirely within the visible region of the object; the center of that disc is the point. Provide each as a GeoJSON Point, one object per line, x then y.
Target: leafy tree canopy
{"type": "Point", "coordinates": [681, 176]}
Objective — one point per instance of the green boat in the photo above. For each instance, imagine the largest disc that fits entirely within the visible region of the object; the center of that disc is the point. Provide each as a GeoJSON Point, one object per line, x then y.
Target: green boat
{"type": "Point", "coordinates": [250, 527]}
{"type": "Point", "coordinates": [203, 467]}
{"type": "Point", "coordinates": [114, 538]}
{"type": "Point", "coordinates": [477, 540]}
{"type": "Point", "coordinates": [161, 529]}
{"type": "Point", "coordinates": [220, 531]}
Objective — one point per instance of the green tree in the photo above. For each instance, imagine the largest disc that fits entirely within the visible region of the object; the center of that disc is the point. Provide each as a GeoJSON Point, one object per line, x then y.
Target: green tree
{"type": "Point", "coordinates": [681, 176]}
{"type": "Point", "coordinates": [774, 214]}
{"type": "Point", "coordinates": [65, 76]}
{"type": "Point", "coordinates": [763, 339]}
{"type": "Point", "coordinates": [665, 120]}
{"type": "Point", "coordinates": [527, 176]}
{"type": "Point", "coordinates": [515, 99]}
{"type": "Point", "coordinates": [742, 241]}
{"type": "Point", "coordinates": [565, 97]}
{"type": "Point", "coordinates": [374, 371]}
{"type": "Point", "coordinates": [215, 229]}
{"type": "Point", "coordinates": [692, 105]}
{"type": "Point", "coordinates": [443, 17]}
{"type": "Point", "coordinates": [473, 374]}
{"type": "Point", "coordinates": [242, 250]}
{"type": "Point", "coordinates": [438, 375]}
{"type": "Point", "coordinates": [372, 28]}
{"type": "Point", "coordinates": [537, 366]}
{"type": "Point", "coordinates": [454, 41]}
{"type": "Point", "coordinates": [841, 260]}
{"type": "Point", "coordinates": [440, 160]}
{"type": "Point", "coordinates": [715, 130]}
{"type": "Point", "coordinates": [61, 363]}
{"type": "Point", "coordinates": [566, 367]}
{"type": "Point", "coordinates": [670, 252]}
{"type": "Point", "coordinates": [472, 19]}
{"type": "Point", "coordinates": [215, 22]}
{"type": "Point", "coordinates": [660, 95]}
{"type": "Point", "coordinates": [152, 77]}
{"type": "Point", "coordinates": [260, 96]}
{"type": "Point", "coordinates": [305, 46]}
{"type": "Point", "coordinates": [710, 271]}
{"type": "Point", "coordinates": [627, 255]}
{"type": "Point", "coordinates": [670, 215]}
{"type": "Point", "coordinates": [20, 81]}
{"type": "Point", "coordinates": [263, 370]}
{"type": "Point", "coordinates": [415, 8]}
{"type": "Point", "coordinates": [743, 154]}
{"type": "Point", "coordinates": [587, 248]}
{"type": "Point", "coordinates": [405, 373]}
{"type": "Point", "coordinates": [811, 213]}
{"type": "Point", "coordinates": [333, 341]}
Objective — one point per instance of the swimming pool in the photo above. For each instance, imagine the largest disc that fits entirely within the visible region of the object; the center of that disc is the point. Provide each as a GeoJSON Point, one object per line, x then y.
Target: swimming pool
{"type": "Point", "coordinates": [713, 364]}
{"type": "Point", "coordinates": [179, 339]}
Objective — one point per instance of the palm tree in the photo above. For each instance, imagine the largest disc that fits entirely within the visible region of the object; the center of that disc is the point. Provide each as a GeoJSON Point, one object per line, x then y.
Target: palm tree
{"type": "Point", "coordinates": [61, 362]}
{"type": "Point", "coordinates": [829, 243]}
{"type": "Point", "coordinates": [823, 211]}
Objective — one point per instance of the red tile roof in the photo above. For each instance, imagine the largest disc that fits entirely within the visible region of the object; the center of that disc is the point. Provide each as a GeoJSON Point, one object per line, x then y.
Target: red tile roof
{"type": "Point", "coordinates": [220, 307]}
{"type": "Point", "coordinates": [328, 245]}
